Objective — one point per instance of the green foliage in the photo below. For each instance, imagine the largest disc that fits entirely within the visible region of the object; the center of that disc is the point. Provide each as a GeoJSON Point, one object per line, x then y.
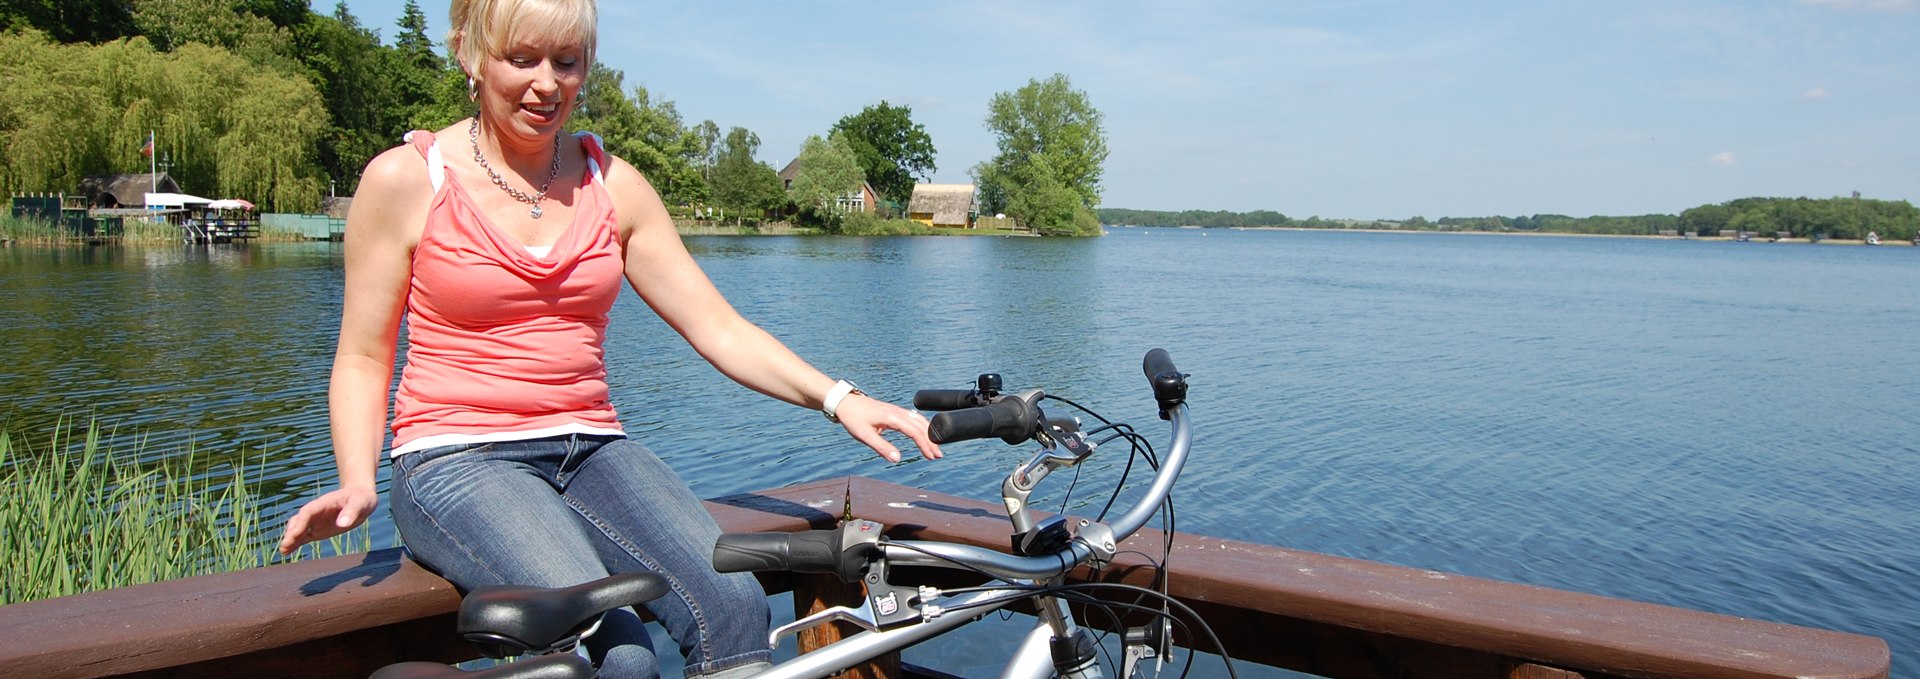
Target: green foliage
{"type": "Point", "coordinates": [89, 21]}
{"type": "Point", "coordinates": [864, 224]}
{"type": "Point", "coordinates": [1845, 218]}
{"type": "Point", "coordinates": [229, 127]}
{"type": "Point", "coordinates": [892, 149]}
{"type": "Point", "coordinates": [1841, 218]}
{"type": "Point", "coordinates": [1045, 204]}
{"type": "Point", "coordinates": [741, 184]}
{"type": "Point", "coordinates": [1206, 218]}
{"type": "Point", "coordinates": [829, 169]}
{"type": "Point", "coordinates": [1052, 148]}
{"type": "Point", "coordinates": [172, 24]}
{"type": "Point", "coordinates": [647, 134]}
{"type": "Point", "coordinates": [374, 93]}
{"type": "Point", "coordinates": [78, 515]}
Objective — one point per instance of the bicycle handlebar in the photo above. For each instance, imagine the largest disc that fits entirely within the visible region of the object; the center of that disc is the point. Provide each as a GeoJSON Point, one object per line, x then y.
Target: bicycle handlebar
{"type": "Point", "coordinates": [842, 551]}
{"type": "Point", "coordinates": [936, 400]}
{"type": "Point", "coordinates": [1003, 418]}
{"type": "Point", "coordinates": [1011, 418]}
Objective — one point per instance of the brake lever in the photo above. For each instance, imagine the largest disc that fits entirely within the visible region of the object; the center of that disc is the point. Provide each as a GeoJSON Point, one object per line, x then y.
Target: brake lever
{"type": "Point", "coordinates": [883, 606]}
{"type": "Point", "coordinates": [861, 617]}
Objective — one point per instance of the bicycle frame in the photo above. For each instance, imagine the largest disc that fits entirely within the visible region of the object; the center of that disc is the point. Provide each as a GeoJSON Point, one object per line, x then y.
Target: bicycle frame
{"type": "Point", "coordinates": [1033, 658]}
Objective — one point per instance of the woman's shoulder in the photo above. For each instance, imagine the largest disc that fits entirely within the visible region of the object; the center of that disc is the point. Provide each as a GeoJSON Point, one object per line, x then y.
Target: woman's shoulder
{"type": "Point", "coordinates": [396, 170]}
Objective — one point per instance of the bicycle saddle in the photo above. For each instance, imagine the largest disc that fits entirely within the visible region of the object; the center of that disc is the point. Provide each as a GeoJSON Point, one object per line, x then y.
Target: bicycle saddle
{"type": "Point", "coordinates": [506, 620]}
{"type": "Point", "coordinates": [562, 666]}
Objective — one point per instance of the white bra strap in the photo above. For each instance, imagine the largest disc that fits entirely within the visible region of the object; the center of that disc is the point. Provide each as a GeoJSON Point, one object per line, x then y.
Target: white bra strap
{"type": "Point", "coordinates": [436, 166]}
{"type": "Point", "coordinates": [592, 164]}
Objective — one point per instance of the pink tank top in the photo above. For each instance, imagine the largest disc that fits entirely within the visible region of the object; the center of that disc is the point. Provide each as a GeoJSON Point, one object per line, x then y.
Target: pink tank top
{"type": "Point", "coordinates": [499, 340]}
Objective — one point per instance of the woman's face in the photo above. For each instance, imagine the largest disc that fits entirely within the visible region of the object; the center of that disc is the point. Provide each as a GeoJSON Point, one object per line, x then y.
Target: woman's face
{"type": "Point", "coordinates": [529, 90]}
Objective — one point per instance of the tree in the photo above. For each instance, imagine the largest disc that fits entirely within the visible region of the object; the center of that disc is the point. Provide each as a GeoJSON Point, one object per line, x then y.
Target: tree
{"type": "Point", "coordinates": [829, 169]}
{"type": "Point", "coordinates": [740, 182]}
{"type": "Point", "coordinates": [170, 24]}
{"type": "Point", "coordinates": [645, 133]}
{"type": "Point", "coordinates": [229, 127]}
{"type": "Point", "coordinates": [892, 149]}
{"type": "Point", "coordinates": [1052, 147]}
{"type": "Point", "coordinates": [413, 42]}
{"type": "Point", "coordinates": [353, 72]}
{"type": "Point", "coordinates": [90, 21]}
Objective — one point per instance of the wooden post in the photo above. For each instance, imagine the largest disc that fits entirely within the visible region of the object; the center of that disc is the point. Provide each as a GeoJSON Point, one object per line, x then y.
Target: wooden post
{"type": "Point", "coordinates": [815, 593]}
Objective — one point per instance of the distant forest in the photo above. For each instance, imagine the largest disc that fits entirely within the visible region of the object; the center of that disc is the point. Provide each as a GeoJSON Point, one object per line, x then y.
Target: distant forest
{"type": "Point", "coordinates": [1843, 218]}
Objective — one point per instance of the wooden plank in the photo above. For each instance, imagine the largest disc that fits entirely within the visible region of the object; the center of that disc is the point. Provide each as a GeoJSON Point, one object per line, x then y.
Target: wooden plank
{"type": "Point", "coordinates": [1336, 617]}
{"type": "Point", "coordinates": [191, 620]}
{"type": "Point", "coordinates": [1572, 630]}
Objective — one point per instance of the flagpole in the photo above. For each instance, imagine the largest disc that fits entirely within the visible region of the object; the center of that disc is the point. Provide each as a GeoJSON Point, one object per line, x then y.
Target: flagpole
{"type": "Point", "coordinates": [153, 170]}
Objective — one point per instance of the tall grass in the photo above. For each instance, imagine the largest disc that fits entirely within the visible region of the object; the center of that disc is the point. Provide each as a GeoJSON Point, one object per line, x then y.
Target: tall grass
{"type": "Point", "coordinates": [131, 231]}
{"type": "Point", "coordinates": [29, 231]}
{"type": "Point", "coordinates": [78, 516]}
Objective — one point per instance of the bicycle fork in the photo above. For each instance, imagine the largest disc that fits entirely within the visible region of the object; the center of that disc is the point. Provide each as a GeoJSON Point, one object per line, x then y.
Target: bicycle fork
{"type": "Point", "coordinates": [1056, 647]}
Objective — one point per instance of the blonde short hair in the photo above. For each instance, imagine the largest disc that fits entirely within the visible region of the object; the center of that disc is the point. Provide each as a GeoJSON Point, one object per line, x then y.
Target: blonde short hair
{"type": "Point", "coordinates": [488, 28]}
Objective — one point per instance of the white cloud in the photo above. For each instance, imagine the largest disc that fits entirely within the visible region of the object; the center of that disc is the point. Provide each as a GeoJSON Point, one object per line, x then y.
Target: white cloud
{"type": "Point", "coordinates": [1868, 5]}
{"type": "Point", "coordinates": [1722, 159]}
{"type": "Point", "coordinates": [1815, 93]}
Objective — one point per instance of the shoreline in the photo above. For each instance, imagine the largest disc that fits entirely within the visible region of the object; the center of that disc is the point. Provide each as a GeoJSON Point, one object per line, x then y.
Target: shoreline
{"type": "Point", "coordinates": [1552, 234]}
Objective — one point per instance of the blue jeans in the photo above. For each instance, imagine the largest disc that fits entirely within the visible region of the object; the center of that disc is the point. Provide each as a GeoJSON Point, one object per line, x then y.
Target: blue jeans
{"type": "Point", "coordinates": [561, 511]}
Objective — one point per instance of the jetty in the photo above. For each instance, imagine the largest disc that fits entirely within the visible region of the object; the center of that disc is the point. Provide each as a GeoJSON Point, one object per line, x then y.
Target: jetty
{"type": "Point", "coordinates": [1324, 615]}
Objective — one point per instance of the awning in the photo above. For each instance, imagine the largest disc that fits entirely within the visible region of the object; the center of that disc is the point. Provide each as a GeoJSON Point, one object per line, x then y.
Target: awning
{"type": "Point", "coordinates": [230, 204]}
{"type": "Point", "coordinates": [174, 200]}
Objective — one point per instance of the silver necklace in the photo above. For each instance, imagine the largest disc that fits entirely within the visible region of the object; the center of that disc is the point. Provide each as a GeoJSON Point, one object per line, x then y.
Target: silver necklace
{"type": "Point", "coordinates": [473, 136]}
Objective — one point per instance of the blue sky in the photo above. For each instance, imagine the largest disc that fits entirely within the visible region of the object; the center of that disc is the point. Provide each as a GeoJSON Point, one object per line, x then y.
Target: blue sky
{"type": "Point", "coordinates": [1341, 109]}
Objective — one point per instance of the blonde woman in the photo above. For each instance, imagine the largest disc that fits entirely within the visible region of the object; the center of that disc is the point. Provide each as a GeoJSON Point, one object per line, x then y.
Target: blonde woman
{"type": "Point", "coordinates": [502, 242]}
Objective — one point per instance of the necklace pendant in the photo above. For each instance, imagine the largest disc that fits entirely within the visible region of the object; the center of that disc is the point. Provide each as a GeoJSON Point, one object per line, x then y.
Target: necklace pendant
{"type": "Point", "coordinates": [535, 211]}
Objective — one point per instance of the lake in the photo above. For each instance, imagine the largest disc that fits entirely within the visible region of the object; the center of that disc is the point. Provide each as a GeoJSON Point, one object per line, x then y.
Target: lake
{"type": "Point", "coordinates": [1732, 427]}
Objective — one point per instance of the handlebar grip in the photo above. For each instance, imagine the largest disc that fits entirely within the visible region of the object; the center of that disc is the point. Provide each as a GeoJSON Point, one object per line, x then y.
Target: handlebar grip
{"type": "Point", "coordinates": [812, 551]}
{"type": "Point", "coordinates": [1169, 384]}
{"type": "Point", "coordinates": [945, 399]}
{"type": "Point", "coordinates": [1011, 419]}
{"type": "Point", "coordinates": [808, 551]}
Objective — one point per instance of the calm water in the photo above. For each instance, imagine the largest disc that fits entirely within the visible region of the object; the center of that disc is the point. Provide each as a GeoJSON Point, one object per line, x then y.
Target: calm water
{"type": "Point", "coordinates": [1721, 426]}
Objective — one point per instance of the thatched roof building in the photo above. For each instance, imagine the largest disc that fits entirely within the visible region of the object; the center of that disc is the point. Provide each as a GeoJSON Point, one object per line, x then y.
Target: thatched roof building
{"type": "Point", "coordinates": [942, 205]}
{"type": "Point", "coordinates": [125, 190]}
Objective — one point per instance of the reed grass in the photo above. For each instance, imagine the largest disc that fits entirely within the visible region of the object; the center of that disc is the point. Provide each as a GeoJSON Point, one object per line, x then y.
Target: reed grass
{"type": "Point", "coordinates": [133, 231]}
{"type": "Point", "coordinates": [85, 514]}
{"type": "Point", "coordinates": [29, 231]}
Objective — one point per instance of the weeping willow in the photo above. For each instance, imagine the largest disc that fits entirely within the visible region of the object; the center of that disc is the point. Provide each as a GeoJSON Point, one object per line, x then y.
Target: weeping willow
{"type": "Point", "coordinates": [228, 127]}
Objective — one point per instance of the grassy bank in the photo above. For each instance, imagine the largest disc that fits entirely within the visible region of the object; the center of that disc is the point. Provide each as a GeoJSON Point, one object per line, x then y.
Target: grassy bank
{"type": "Point", "coordinates": [35, 232]}
{"type": "Point", "coordinates": [82, 513]}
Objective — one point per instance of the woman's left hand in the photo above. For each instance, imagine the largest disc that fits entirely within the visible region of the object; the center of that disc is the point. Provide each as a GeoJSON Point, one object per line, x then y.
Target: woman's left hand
{"type": "Point", "coordinates": [866, 418]}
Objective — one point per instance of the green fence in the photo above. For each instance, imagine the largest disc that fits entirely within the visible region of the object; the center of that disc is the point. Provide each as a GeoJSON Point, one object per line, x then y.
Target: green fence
{"type": "Point", "coordinates": [310, 227]}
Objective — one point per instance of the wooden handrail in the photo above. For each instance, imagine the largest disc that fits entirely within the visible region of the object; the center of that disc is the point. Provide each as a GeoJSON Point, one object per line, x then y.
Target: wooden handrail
{"type": "Point", "coordinates": [1326, 615]}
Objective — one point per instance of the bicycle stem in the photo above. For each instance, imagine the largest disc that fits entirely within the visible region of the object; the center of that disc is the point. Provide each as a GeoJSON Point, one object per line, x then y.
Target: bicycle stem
{"type": "Point", "coordinates": [1093, 539]}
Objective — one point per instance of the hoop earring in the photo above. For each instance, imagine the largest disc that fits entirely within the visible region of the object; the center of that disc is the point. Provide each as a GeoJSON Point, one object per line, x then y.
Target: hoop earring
{"type": "Point", "coordinates": [473, 90]}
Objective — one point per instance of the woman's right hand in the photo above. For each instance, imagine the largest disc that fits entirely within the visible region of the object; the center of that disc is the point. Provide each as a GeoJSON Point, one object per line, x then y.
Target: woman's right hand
{"type": "Point", "coordinates": [327, 516]}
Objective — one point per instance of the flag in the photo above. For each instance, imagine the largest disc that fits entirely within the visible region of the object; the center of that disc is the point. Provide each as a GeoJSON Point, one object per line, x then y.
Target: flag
{"type": "Point", "coordinates": [147, 150]}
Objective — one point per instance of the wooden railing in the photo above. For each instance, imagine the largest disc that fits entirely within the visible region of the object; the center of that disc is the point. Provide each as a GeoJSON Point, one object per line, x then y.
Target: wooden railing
{"type": "Point", "coordinates": [1324, 615]}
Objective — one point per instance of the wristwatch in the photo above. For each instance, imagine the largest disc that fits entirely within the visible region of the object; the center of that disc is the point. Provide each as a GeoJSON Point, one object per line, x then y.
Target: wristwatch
{"type": "Point", "coordinates": [831, 405]}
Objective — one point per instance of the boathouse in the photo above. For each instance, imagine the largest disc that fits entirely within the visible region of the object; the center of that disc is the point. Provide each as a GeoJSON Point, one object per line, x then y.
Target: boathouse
{"type": "Point", "coordinates": [125, 191]}
{"type": "Point", "coordinates": [942, 205]}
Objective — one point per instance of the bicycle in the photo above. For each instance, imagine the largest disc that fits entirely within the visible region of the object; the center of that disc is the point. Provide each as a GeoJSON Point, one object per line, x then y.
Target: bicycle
{"type": "Point", "coordinates": [548, 624]}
